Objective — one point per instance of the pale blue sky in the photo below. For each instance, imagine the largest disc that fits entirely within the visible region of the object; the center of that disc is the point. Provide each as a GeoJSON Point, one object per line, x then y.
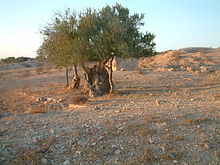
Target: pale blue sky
{"type": "Point", "coordinates": [176, 23]}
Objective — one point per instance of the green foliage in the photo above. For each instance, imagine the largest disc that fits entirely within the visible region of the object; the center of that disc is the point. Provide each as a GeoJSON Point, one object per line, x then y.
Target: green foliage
{"type": "Point", "coordinates": [59, 42]}
{"type": "Point", "coordinates": [95, 36]}
{"type": "Point", "coordinates": [10, 60]}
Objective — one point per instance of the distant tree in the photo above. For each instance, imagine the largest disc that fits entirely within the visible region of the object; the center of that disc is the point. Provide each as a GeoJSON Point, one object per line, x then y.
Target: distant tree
{"type": "Point", "coordinates": [10, 60]}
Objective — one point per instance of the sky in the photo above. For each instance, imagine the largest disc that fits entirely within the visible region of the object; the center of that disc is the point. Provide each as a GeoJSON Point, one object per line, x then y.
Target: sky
{"type": "Point", "coordinates": [176, 23]}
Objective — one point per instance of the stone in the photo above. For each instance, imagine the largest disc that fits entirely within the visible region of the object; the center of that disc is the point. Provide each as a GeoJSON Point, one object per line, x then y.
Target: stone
{"type": "Point", "coordinates": [42, 99]}
{"type": "Point", "coordinates": [175, 161]}
{"type": "Point", "coordinates": [67, 162]}
{"type": "Point", "coordinates": [114, 146]}
{"type": "Point", "coordinates": [122, 148]}
{"type": "Point", "coordinates": [120, 128]}
{"type": "Point", "coordinates": [2, 159]}
{"type": "Point", "coordinates": [151, 141]}
{"type": "Point", "coordinates": [158, 102]}
{"type": "Point", "coordinates": [93, 144]}
{"type": "Point", "coordinates": [78, 152]}
{"type": "Point", "coordinates": [160, 69]}
{"type": "Point", "coordinates": [97, 108]}
{"type": "Point", "coordinates": [117, 152]}
{"type": "Point", "coordinates": [44, 161]}
{"type": "Point", "coordinates": [203, 69]}
{"type": "Point", "coordinates": [206, 146]}
{"type": "Point", "coordinates": [101, 138]}
{"type": "Point", "coordinates": [52, 131]}
{"type": "Point", "coordinates": [118, 111]}
{"type": "Point", "coordinates": [189, 69]}
{"type": "Point", "coordinates": [49, 99]}
{"type": "Point", "coordinates": [86, 125]}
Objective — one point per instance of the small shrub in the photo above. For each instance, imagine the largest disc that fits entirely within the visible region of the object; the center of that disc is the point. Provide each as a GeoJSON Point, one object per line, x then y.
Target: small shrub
{"type": "Point", "coordinates": [36, 110]}
{"type": "Point", "coordinates": [78, 100]}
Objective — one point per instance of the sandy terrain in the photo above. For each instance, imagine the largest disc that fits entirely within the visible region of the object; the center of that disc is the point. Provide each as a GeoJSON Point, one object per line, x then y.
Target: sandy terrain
{"type": "Point", "coordinates": [167, 112]}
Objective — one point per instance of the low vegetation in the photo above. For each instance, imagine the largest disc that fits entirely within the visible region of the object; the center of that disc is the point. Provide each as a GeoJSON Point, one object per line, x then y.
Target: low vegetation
{"type": "Point", "coordinates": [10, 60]}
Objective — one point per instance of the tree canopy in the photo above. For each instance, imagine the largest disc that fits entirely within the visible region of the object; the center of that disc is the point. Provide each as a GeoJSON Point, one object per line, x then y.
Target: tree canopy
{"type": "Point", "coordinates": [95, 35]}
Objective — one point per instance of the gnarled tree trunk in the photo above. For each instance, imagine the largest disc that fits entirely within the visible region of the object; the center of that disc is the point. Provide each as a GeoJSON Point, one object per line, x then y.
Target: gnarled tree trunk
{"type": "Point", "coordinates": [67, 76]}
{"type": "Point", "coordinates": [111, 75]}
{"type": "Point", "coordinates": [97, 79]}
{"type": "Point", "coordinates": [75, 82]}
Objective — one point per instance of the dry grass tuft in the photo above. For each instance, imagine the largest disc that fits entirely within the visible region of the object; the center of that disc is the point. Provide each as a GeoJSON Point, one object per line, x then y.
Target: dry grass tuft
{"type": "Point", "coordinates": [217, 97]}
{"type": "Point", "coordinates": [197, 121]}
{"type": "Point", "coordinates": [36, 110]}
{"type": "Point", "coordinates": [78, 100]}
{"type": "Point", "coordinates": [144, 158]}
{"type": "Point", "coordinates": [29, 157]}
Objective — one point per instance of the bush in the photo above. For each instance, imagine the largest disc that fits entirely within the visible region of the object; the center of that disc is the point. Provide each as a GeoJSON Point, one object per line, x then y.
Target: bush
{"type": "Point", "coordinates": [10, 60]}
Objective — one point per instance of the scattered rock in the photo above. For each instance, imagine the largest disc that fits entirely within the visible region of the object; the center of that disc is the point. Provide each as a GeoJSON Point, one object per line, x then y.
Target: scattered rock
{"type": "Point", "coordinates": [101, 138]}
{"type": "Point", "coordinates": [78, 152]}
{"type": "Point", "coordinates": [173, 155]}
{"type": "Point", "coordinates": [49, 99]}
{"type": "Point", "coordinates": [175, 161]}
{"type": "Point", "coordinates": [42, 99]}
{"type": "Point", "coordinates": [151, 140]}
{"type": "Point", "coordinates": [206, 146]}
{"type": "Point", "coordinates": [197, 72]}
{"type": "Point", "coordinates": [86, 125]}
{"type": "Point", "coordinates": [120, 128]}
{"type": "Point", "coordinates": [44, 161]}
{"type": "Point", "coordinates": [203, 69]}
{"type": "Point", "coordinates": [97, 108]}
{"type": "Point", "coordinates": [2, 159]}
{"type": "Point", "coordinates": [184, 163]}
{"type": "Point", "coordinates": [189, 69]}
{"type": "Point", "coordinates": [158, 102]}
{"type": "Point", "coordinates": [117, 152]}
{"type": "Point", "coordinates": [170, 69]}
{"type": "Point", "coordinates": [118, 111]}
{"type": "Point", "coordinates": [160, 69]}
{"type": "Point", "coordinates": [52, 131]}
{"type": "Point", "coordinates": [67, 162]}
{"type": "Point", "coordinates": [114, 146]}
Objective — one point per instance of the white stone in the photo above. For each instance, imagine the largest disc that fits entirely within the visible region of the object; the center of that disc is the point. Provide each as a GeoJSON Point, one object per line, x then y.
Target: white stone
{"type": "Point", "coordinates": [44, 161]}
{"type": "Point", "coordinates": [78, 152]}
{"type": "Point", "coordinates": [117, 152]}
{"type": "Point", "coordinates": [67, 162]}
{"type": "Point", "coordinates": [114, 146]}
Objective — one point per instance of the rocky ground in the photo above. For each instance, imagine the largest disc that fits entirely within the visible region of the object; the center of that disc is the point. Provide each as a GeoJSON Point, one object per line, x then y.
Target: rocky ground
{"type": "Point", "coordinates": [167, 112]}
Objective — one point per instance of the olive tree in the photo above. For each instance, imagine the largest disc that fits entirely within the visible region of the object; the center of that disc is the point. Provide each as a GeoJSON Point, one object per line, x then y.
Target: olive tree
{"type": "Point", "coordinates": [98, 36]}
{"type": "Point", "coordinates": [59, 42]}
{"type": "Point", "coordinates": [111, 32]}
